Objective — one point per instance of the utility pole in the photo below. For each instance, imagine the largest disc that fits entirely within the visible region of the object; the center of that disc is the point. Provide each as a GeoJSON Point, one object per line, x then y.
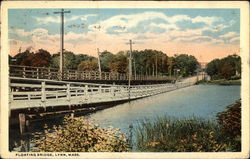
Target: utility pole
{"type": "Point", "coordinates": [99, 64]}
{"type": "Point", "coordinates": [130, 66]}
{"type": "Point", "coordinates": [156, 63]}
{"type": "Point", "coordinates": [134, 68]}
{"type": "Point", "coordinates": [62, 38]}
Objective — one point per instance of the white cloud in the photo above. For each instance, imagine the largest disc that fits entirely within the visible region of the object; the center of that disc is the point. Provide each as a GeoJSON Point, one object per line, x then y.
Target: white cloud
{"type": "Point", "coordinates": [234, 39]}
{"type": "Point", "coordinates": [132, 20]}
{"type": "Point", "coordinates": [193, 38]}
{"type": "Point", "coordinates": [206, 20]}
{"type": "Point", "coordinates": [85, 17]}
{"type": "Point", "coordinates": [46, 20]}
{"type": "Point", "coordinates": [57, 19]}
{"type": "Point", "coordinates": [228, 35]}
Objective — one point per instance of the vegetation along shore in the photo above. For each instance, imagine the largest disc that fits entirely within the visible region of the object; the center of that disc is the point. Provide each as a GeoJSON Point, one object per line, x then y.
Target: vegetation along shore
{"type": "Point", "coordinates": [164, 134]}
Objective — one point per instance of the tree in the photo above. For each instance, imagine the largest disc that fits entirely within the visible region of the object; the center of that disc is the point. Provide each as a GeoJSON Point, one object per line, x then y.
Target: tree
{"type": "Point", "coordinates": [119, 63]}
{"type": "Point", "coordinates": [105, 58]}
{"type": "Point", "coordinates": [213, 68]}
{"type": "Point", "coordinates": [225, 68]}
{"type": "Point", "coordinates": [88, 65]}
{"type": "Point", "coordinates": [20, 57]}
{"type": "Point", "coordinates": [187, 64]}
{"type": "Point", "coordinates": [41, 58]}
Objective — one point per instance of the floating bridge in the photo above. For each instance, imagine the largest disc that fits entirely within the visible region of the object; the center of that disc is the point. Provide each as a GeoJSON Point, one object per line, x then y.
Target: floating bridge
{"type": "Point", "coordinates": [37, 91]}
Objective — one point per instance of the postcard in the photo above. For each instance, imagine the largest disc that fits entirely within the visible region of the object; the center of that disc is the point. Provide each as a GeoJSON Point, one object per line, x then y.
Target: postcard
{"type": "Point", "coordinates": [124, 79]}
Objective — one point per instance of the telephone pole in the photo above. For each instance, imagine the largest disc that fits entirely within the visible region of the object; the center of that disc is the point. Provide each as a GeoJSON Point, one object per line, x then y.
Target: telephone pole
{"type": "Point", "coordinates": [99, 64]}
{"type": "Point", "coordinates": [130, 66]}
{"type": "Point", "coordinates": [62, 38]}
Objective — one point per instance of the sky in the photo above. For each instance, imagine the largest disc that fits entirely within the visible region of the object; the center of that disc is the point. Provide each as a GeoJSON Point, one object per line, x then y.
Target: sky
{"type": "Point", "coordinates": [205, 33]}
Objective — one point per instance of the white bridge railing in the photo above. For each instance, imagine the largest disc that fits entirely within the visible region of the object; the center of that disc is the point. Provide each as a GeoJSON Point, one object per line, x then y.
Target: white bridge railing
{"type": "Point", "coordinates": [31, 93]}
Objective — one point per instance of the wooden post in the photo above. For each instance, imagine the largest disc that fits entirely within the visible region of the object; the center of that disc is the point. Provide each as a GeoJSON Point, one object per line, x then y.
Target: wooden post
{"type": "Point", "coordinates": [43, 93]}
{"type": "Point", "coordinates": [68, 92]}
{"type": "Point", "coordinates": [49, 74]}
{"type": "Point", "coordinates": [22, 123]}
{"type": "Point", "coordinates": [100, 89]}
{"type": "Point", "coordinates": [86, 89]}
{"type": "Point", "coordinates": [24, 72]}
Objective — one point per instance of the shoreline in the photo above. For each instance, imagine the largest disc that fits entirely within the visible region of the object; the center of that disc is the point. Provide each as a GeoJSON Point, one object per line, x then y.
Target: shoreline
{"type": "Point", "coordinates": [220, 82]}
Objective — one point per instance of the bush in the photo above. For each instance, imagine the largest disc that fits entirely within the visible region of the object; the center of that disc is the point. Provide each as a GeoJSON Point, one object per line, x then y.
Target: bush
{"type": "Point", "coordinates": [80, 135]}
{"type": "Point", "coordinates": [230, 120]}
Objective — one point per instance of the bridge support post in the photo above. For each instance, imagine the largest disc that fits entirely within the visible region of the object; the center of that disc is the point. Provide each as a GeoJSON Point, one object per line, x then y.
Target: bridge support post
{"type": "Point", "coordinates": [22, 123]}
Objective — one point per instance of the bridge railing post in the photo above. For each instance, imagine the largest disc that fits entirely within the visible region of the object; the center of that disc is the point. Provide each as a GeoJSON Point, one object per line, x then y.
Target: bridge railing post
{"type": "Point", "coordinates": [86, 90]}
{"type": "Point", "coordinates": [24, 72]}
{"type": "Point", "coordinates": [43, 93]}
{"type": "Point", "coordinates": [68, 92]}
{"type": "Point", "coordinates": [100, 89]}
{"type": "Point", "coordinates": [49, 74]}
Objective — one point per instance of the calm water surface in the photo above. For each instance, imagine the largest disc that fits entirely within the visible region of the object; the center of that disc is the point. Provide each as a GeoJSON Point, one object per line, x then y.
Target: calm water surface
{"type": "Point", "coordinates": [200, 100]}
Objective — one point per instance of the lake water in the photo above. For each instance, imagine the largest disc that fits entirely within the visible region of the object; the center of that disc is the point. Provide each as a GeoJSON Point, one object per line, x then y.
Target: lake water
{"type": "Point", "coordinates": [203, 101]}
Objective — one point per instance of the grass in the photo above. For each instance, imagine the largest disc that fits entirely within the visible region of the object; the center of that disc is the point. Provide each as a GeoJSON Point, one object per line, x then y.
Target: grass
{"type": "Point", "coordinates": [165, 134]}
{"type": "Point", "coordinates": [221, 82]}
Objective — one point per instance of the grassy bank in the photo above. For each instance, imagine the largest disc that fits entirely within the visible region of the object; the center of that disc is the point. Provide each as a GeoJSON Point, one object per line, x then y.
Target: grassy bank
{"type": "Point", "coordinates": [166, 134]}
{"type": "Point", "coordinates": [221, 82]}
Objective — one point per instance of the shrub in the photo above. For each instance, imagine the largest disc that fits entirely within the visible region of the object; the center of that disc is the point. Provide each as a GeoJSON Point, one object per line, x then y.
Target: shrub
{"type": "Point", "coordinates": [80, 135]}
{"type": "Point", "coordinates": [230, 120]}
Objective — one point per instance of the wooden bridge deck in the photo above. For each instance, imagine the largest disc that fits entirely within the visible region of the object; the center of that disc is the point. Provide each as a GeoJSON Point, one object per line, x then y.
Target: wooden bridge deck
{"type": "Point", "coordinates": [31, 93]}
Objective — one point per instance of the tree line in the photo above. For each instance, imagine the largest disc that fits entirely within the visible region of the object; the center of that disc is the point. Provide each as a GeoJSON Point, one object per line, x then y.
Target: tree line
{"type": "Point", "coordinates": [225, 68]}
{"type": "Point", "coordinates": [144, 62]}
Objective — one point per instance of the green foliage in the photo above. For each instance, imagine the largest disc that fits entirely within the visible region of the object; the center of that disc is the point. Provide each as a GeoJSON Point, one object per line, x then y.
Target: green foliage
{"type": "Point", "coordinates": [213, 68]}
{"type": "Point", "coordinates": [105, 58]}
{"type": "Point", "coordinates": [41, 58]}
{"type": "Point", "coordinates": [119, 63]}
{"type": "Point", "coordinates": [226, 68]}
{"type": "Point", "coordinates": [80, 135]}
{"type": "Point", "coordinates": [88, 65]}
{"type": "Point", "coordinates": [165, 134]}
{"type": "Point", "coordinates": [187, 64]}
{"type": "Point", "coordinates": [150, 62]}
{"type": "Point", "coordinates": [179, 135]}
{"type": "Point", "coordinates": [71, 60]}
{"type": "Point", "coordinates": [144, 62]}
{"type": "Point", "coordinates": [230, 119]}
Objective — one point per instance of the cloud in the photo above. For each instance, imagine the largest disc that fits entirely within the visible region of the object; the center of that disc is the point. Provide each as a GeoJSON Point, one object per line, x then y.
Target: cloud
{"type": "Point", "coordinates": [46, 20]}
{"type": "Point", "coordinates": [74, 38]}
{"type": "Point", "coordinates": [206, 20]}
{"type": "Point", "coordinates": [85, 17]}
{"type": "Point", "coordinates": [228, 35]}
{"type": "Point", "coordinates": [194, 39]}
{"type": "Point", "coordinates": [144, 22]}
{"type": "Point", "coordinates": [235, 39]}
{"type": "Point", "coordinates": [57, 19]}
